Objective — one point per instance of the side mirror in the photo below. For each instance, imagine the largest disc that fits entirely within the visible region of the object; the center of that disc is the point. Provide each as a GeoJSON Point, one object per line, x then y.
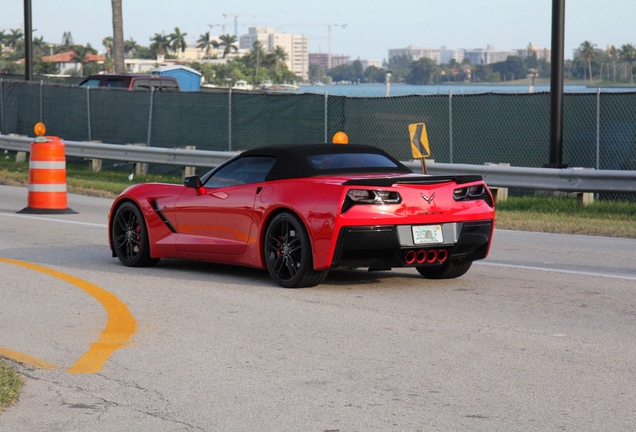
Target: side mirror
{"type": "Point", "coordinates": [192, 181]}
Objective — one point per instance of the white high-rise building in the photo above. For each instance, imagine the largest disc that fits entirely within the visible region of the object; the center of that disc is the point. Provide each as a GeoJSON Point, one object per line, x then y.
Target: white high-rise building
{"type": "Point", "coordinates": [295, 45]}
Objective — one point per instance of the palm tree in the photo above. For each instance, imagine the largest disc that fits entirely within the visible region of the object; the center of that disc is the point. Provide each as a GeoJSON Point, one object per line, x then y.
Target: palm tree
{"type": "Point", "coordinates": [130, 46]}
{"type": "Point", "coordinates": [206, 43]}
{"type": "Point", "coordinates": [228, 42]}
{"type": "Point", "coordinates": [628, 55]}
{"type": "Point", "coordinates": [177, 40]}
{"type": "Point", "coordinates": [118, 36]}
{"type": "Point", "coordinates": [588, 52]}
{"type": "Point", "coordinates": [160, 43]}
{"type": "Point", "coordinates": [40, 47]}
{"type": "Point", "coordinates": [14, 39]}
{"type": "Point", "coordinates": [80, 54]}
{"type": "Point", "coordinates": [108, 44]}
{"type": "Point", "coordinates": [612, 55]}
{"type": "Point", "coordinates": [67, 40]}
{"type": "Point", "coordinates": [280, 56]}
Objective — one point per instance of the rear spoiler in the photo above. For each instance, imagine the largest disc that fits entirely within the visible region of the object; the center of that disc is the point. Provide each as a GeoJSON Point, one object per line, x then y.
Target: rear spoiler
{"type": "Point", "coordinates": [423, 180]}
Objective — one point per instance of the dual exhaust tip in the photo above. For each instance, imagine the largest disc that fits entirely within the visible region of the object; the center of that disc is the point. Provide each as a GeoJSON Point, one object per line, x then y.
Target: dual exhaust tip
{"type": "Point", "coordinates": [421, 256]}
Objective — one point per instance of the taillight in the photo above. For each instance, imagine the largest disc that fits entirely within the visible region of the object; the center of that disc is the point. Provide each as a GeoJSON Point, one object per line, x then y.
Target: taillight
{"type": "Point", "coordinates": [471, 193]}
{"type": "Point", "coordinates": [368, 196]}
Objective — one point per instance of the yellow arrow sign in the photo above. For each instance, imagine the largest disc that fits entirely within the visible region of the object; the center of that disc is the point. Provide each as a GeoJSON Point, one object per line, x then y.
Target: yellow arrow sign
{"type": "Point", "coordinates": [419, 141]}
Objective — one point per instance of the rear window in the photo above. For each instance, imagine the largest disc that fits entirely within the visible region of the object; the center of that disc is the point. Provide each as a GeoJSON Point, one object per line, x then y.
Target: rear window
{"type": "Point", "coordinates": [349, 161]}
{"type": "Point", "coordinates": [115, 83]}
{"type": "Point", "coordinates": [91, 82]}
{"type": "Point", "coordinates": [155, 83]}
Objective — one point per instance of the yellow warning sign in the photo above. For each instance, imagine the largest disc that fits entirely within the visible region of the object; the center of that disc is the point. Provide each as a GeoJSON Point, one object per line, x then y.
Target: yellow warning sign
{"type": "Point", "coordinates": [419, 141]}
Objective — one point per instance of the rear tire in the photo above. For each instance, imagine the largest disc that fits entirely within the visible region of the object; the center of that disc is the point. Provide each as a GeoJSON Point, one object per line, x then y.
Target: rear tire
{"type": "Point", "coordinates": [287, 252]}
{"type": "Point", "coordinates": [129, 236]}
{"type": "Point", "coordinates": [447, 270]}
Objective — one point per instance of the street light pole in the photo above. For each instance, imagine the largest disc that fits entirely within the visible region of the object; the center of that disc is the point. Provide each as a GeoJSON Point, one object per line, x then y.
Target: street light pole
{"type": "Point", "coordinates": [28, 42]}
{"type": "Point", "coordinates": [556, 86]}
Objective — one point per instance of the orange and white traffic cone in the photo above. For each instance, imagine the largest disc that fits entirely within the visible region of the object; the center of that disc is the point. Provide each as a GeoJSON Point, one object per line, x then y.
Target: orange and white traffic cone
{"type": "Point", "coordinates": [47, 175]}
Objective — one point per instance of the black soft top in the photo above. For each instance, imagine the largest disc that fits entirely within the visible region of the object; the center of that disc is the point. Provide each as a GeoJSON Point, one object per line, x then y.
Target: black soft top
{"type": "Point", "coordinates": [293, 160]}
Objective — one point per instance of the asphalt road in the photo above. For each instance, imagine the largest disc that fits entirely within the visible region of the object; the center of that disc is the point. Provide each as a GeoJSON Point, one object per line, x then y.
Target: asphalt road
{"type": "Point", "coordinates": [540, 336]}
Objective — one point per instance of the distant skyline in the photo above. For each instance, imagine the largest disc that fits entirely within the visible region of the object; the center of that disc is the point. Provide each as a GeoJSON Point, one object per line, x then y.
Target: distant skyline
{"type": "Point", "coordinates": [371, 28]}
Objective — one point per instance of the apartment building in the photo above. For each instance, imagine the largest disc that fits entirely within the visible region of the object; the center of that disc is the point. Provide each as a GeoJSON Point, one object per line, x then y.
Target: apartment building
{"type": "Point", "coordinates": [483, 56]}
{"type": "Point", "coordinates": [295, 45]}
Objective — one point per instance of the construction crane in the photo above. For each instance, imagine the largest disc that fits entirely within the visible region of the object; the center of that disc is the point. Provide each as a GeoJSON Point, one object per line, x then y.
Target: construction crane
{"type": "Point", "coordinates": [329, 62]}
{"type": "Point", "coordinates": [329, 26]}
{"type": "Point", "coordinates": [222, 25]}
{"type": "Point", "coordinates": [235, 16]}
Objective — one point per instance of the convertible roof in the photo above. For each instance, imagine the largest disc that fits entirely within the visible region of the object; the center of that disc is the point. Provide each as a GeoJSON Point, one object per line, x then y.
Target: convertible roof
{"type": "Point", "coordinates": [291, 159]}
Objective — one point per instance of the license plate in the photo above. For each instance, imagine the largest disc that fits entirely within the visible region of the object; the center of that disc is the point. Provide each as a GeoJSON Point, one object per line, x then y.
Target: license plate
{"type": "Point", "coordinates": [427, 234]}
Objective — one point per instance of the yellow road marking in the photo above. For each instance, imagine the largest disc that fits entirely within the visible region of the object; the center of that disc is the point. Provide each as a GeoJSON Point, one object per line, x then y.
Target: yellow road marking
{"type": "Point", "coordinates": [119, 328]}
{"type": "Point", "coordinates": [26, 359]}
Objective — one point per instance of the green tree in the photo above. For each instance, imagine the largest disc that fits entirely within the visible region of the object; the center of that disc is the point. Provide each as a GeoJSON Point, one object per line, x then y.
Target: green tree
{"type": "Point", "coordinates": [628, 56]}
{"type": "Point", "coordinates": [160, 44]}
{"type": "Point", "coordinates": [340, 73]}
{"type": "Point", "coordinates": [279, 57]}
{"type": "Point", "coordinates": [399, 66]}
{"type": "Point", "coordinates": [177, 40]}
{"type": "Point", "coordinates": [228, 42]}
{"type": "Point", "coordinates": [130, 47]}
{"type": "Point", "coordinates": [421, 71]}
{"type": "Point", "coordinates": [118, 36]}
{"type": "Point", "coordinates": [14, 40]}
{"type": "Point", "coordinates": [108, 44]}
{"type": "Point", "coordinates": [374, 74]}
{"type": "Point", "coordinates": [41, 67]}
{"type": "Point", "coordinates": [587, 50]}
{"type": "Point", "coordinates": [612, 55]}
{"type": "Point", "coordinates": [316, 73]}
{"type": "Point", "coordinates": [80, 54]}
{"type": "Point", "coordinates": [511, 69]}
{"type": "Point", "coordinates": [67, 41]}
{"type": "Point", "coordinates": [206, 43]}
{"type": "Point", "coordinates": [40, 47]}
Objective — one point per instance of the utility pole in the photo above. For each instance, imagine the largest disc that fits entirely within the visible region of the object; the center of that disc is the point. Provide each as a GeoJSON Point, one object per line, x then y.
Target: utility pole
{"type": "Point", "coordinates": [556, 85]}
{"type": "Point", "coordinates": [28, 42]}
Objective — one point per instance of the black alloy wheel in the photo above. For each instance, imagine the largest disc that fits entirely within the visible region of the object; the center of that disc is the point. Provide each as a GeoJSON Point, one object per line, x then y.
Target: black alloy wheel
{"type": "Point", "coordinates": [129, 237]}
{"type": "Point", "coordinates": [288, 254]}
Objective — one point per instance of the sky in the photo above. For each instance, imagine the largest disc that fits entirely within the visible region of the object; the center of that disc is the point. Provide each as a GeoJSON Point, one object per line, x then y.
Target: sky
{"type": "Point", "coordinates": [361, 29]}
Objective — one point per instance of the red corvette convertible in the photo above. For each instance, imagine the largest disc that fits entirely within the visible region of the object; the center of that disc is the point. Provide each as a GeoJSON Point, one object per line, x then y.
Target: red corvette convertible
{"type": "Point", "coordinates": [300, 210]}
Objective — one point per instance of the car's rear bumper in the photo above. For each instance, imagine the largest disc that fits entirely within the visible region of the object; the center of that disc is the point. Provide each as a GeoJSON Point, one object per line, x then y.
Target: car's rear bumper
{"type": "Point", "coordinates": [389, 246]}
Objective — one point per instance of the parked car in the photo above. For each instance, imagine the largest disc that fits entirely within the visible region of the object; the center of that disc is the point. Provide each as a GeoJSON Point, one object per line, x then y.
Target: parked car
{"type": "Point", "coordinates": [132, 82]}
{"type": "Point", "coordinates": [301, 210]}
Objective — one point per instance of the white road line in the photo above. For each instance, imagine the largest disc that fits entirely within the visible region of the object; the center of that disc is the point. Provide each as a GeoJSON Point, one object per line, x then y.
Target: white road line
{"type": "Point", "coordinates": [21, 216]}
{"type": "Point", "coordinates": [557, 270]}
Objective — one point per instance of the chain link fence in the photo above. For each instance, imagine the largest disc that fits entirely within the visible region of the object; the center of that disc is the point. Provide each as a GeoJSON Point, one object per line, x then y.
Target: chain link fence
{"type": "Point", "coordinates": [599, 127]}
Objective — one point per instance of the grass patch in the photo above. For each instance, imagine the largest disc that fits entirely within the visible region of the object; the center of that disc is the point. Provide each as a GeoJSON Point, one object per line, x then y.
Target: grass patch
{"type": "Point", "coordinates": [566, 215]}
{"type": "Point", "coordinates": [10, 385]}
{"type": "Point", "coordinates": [81, 180]}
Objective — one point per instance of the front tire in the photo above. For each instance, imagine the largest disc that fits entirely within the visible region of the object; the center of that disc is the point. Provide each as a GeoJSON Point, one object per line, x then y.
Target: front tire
{"type": "Point", "coordinates": [287, 252]}
{"type": "Point", "coordinates": [129, 236]}
{"type": "Point", "coordinates": [448, 270]}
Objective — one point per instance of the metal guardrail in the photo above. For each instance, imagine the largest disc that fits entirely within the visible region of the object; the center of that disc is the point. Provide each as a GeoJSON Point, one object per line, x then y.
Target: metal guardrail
{"type": "Point", "coordinates": [550, 179]}
{"type": "Point", "coordinates": [128, 153]}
